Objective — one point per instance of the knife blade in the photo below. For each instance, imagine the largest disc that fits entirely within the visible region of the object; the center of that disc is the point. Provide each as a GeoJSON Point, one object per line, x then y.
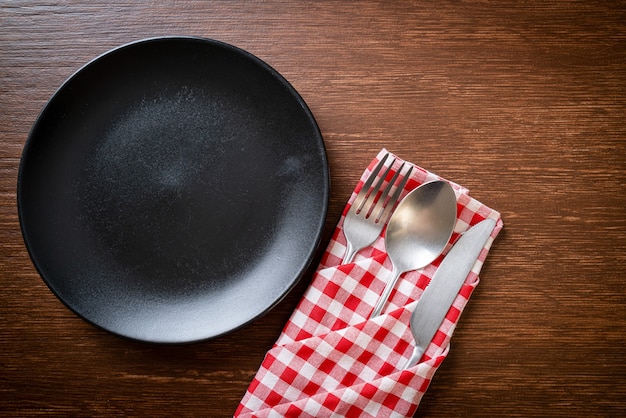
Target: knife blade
{"type": "Point", "coordinates": [433, 305]}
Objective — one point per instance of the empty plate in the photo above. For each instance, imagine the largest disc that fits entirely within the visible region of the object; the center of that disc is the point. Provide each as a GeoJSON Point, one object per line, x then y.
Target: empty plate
{"type": "Point", "coordinates": [173, 190]}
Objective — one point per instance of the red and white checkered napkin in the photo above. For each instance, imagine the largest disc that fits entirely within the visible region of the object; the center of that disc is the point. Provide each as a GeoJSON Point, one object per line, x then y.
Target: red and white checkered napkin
{"type": "Point", "coordinates": [331, 359]}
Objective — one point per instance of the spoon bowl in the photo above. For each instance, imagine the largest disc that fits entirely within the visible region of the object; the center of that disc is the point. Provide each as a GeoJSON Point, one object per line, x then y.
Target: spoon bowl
{"type": "Point", "coordinates": [418, 231]}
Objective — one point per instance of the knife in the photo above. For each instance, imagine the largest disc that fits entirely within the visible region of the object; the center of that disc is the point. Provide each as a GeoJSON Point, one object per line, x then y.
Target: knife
{"type": "Point", "coordinates": [432, 307]}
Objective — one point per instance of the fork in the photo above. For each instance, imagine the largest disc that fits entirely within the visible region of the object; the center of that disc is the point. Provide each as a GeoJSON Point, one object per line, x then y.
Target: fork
{"type": "Point", "coordinates": [370, 210]}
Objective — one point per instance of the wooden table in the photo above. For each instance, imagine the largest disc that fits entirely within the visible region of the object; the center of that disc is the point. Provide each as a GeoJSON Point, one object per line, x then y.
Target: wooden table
{"type": "Point", "coordinates": [524, 103]}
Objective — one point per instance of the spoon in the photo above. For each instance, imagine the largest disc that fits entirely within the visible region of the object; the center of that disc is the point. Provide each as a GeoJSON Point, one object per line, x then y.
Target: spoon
{"type": "Point", "coordinates": [418, 231]}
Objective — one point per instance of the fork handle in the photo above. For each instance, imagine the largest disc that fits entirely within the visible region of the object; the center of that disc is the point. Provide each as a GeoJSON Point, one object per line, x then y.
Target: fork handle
{"type": "Point", "coordinates": [350, 253]}
{"type": "Point", "coordinates": [386, 292]}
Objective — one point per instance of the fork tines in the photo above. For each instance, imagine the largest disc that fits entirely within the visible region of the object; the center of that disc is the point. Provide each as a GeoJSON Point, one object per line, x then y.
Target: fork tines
{"type": "Point", "coordinates": [374, 203]}
{"type": "Point", "coordinates": [378, 206]}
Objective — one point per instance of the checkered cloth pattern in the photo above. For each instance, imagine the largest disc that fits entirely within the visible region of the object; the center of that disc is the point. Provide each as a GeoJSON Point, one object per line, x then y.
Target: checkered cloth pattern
{"type": "Point", "coordinates": [331, 359]}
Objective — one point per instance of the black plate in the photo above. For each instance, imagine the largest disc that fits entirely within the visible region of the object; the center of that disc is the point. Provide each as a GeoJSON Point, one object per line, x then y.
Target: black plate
{"type": "Point", "coordinates": [173, 190]}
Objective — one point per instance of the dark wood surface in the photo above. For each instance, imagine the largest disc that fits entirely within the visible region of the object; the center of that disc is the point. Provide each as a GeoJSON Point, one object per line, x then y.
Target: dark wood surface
{"type": "Point", "coordinates": [524, 103]}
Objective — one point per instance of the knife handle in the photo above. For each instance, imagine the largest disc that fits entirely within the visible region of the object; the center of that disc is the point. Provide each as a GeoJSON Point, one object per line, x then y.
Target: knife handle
{"type": "Point", "coordinates": [418, 352]}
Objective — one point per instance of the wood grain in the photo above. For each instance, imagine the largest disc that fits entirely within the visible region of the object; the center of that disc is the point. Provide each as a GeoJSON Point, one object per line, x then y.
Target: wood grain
{"type": "Point", "coordinates": [524, 103]}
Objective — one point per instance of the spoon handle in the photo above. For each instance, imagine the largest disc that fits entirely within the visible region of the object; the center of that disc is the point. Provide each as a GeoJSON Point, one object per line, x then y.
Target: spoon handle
{"type": "Point", "coordinates": [386, 292]}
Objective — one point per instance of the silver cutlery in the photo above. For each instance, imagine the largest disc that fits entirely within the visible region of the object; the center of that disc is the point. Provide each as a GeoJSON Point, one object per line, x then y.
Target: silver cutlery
{"type": "Point", "coordinates": [433, 305]}
{"type": "Point", "coordinates": [371, 209]}
{"type": "Point", "coordinates": [418, 231]}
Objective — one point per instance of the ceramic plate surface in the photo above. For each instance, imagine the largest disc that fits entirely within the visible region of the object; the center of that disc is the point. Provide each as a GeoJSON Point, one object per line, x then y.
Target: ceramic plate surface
{"type": "Point", "coordinates": [173, 190]}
